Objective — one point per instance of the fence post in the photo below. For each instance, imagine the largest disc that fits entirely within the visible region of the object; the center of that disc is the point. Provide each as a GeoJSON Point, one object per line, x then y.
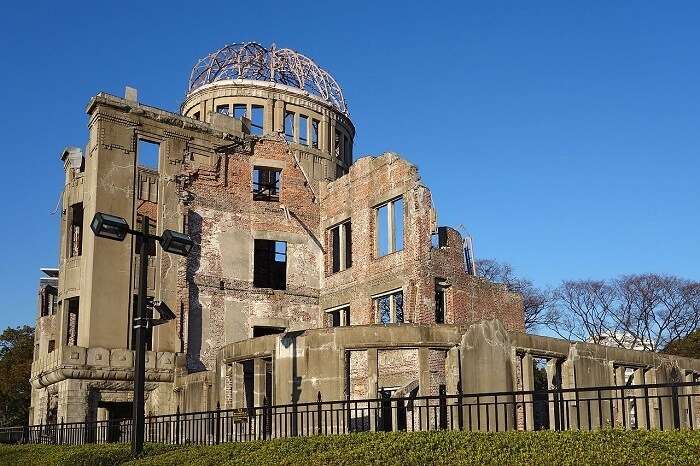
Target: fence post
{"type": "Point", "coordinates": [676, 408]}
{"type": "Point", "coordinates": [460, 404]}
{"type": "Point", "coordinates": [60, 433]}
{"type": "Point", "coordinates": [177, 425]}
{"type": "Point", "coordinates": [318, 413]}
{"type": "Point", "coordinates": [217, 430]}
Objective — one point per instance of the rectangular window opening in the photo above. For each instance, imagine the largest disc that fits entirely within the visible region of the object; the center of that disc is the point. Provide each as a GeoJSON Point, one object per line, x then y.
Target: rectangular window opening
{"type": "Point", "coordinates": [76, 230]}
{"type": "Point", "coordinates": [389, 227]}
{"type": "Point", "coordinates": [303, 129]}
{"type": "Point", "coordinates": [196, 115]}
{"type": "Point", "coordinates": [52, 346]}
{"type": "Point", "coordinates": [257, 119]}
{"type": "Point", "coordinates": [223, 109]}
{"type": "Point", "coordinates": [341, 246]}
{"type": "Point", "coordinates": [263, 330]}
{"type": "Point", "coordinates": [314, 133]}
{"type": "Point", "coordinates": [266, 184]}
{"type": "Point", "coordinates": [73, 316]}
{"type": "Point", "coordinates": [270, 264]}
{"type": "Point", "coordinates": [440, 301]}
{"type": "Point", "coordinates": [389, 308]}
{"type": "Point", "coordinates": [338, 145]}
{"type": "Point", "coordinates": [49, 301]}
{"type": "Point", "coordinates": [289, 126]}
{"type": "Point", "coordinates": [338, 317]}
{"type": "Point", "coordinates": [239, 111]}
{"type": "Point", "coordinates": [148, 153]}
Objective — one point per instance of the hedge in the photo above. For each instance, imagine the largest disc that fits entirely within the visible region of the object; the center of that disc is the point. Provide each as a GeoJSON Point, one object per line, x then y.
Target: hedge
{"type": "Point", "coordinates": [613, 447]}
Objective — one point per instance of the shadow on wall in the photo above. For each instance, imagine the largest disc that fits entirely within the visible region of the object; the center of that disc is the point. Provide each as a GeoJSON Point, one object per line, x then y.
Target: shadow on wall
{"type": "Point", "coordinates": [289, 342]}
{"type": "Point", "coordinates": [194, 316]}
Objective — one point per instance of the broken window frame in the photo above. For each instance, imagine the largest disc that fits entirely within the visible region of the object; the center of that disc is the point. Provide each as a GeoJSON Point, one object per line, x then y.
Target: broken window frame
{"type": "Point", "coordinates": [389, 307]}
{"type": "Point", "coordinates": [267, 187]}
{"type": "Point", "coordinates": [338, 316]}
{"type": "Point", "coordinates": [340, 240]}
{"type": "Point", "coordinates": [270, 264]}
{"type": "Point", "coordinates": [394, 227]}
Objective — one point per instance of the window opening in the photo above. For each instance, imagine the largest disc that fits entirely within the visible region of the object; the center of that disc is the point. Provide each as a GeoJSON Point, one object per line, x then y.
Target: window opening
{"type": "Point", "coordinates": [257, 119]}
{"type": "Point", "coordinates": [262, 330]}
{"type": "Point", "coordinates": [73, 314]}
{"type": "Point", "coordinates": [303, 129]}
{"type": "Point", "coordinates": [76, 230]}
{"type": "Point", "coordinates": [314, 133]}
{"type": "Point", "coordinates": [338, 144]}
{"type": "Point", "coordinates": [196, 115]}
{"type": "Point", "coordinates": [341, 246]}
{"type": "Point", "coordinates": [440, 301]}
{"type": "Point", "coordinates": [239, 111]}
{"type": "Point", "coordinates": [338, 317]}
{"type": "Point", "coordinates": [148, 153]}
{"type": "Point", "coordinates": [49, 301]}
{"type": "Point", "coordinates": [266, 183]}
{"type": "Point", "coordinates": [223, 109]}
{"type": "Point", "coordinates": [270, 264]}
{"type": "Point", "coordinates": [289, 126]}
{"type": "Point", "coordinates": [52, 346]}
{"type": "Point", "coordinates": [389, 231]}
{"type": "Point", "coordinates": [389, 307]}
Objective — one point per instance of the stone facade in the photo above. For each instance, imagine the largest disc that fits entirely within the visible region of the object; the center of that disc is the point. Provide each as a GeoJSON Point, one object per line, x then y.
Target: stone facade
{"type": "Point", "coordinates": [205, 180]}
{"type": "Point", "coordinates": [310, 272]}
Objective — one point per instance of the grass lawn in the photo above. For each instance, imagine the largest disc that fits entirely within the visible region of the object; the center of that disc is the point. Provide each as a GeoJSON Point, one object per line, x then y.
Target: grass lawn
{"type": "Point", "coordinates": [504, 448]}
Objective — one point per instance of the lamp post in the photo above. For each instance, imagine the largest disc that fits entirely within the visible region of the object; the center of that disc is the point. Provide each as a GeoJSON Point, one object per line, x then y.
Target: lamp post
{"type": "Point", "coordinates": [116, 228]}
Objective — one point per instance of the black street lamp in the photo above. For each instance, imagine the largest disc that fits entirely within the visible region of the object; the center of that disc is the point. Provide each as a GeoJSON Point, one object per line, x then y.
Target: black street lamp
{"type": "Point", "coordinates": [116, 228]}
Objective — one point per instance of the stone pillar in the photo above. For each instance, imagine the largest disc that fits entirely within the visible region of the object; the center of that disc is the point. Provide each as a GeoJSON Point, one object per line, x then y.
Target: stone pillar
{"type": "Point", "coordinates": [486, 368]}
{"type": "Point", "coordinates": [552, 379]}
{"type": "Point", "coordinates": [372, 378]}
{"type": "Point", "coordinates": [259, 382]}
{"type": "Point", "coordinates": [323, 129]}
{"type": "Point", "coordinates": [238, 385]}
{"type": "Point", "coordinates": [643, 404]}
{"type": "Point", "coordinates": [73, 401]}
{"type": "Point", "coordinates": [269, 116]}
{"type": "Point", "coordinates": [278, 120]}
{"type": "Point", "coordinates": [528, 384]}
{"type": "Point", "coordinates": [618, 404]}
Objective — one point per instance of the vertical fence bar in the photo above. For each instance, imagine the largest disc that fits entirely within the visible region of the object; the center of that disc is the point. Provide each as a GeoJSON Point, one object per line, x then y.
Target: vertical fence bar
{"type": "Point", "coordinates": [318, 414]}
{"type": "Point", "coordinates": [676, 407]}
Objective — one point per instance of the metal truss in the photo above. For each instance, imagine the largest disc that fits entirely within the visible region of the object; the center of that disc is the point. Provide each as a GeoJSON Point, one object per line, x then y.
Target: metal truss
{"type": "Point", "coordinates": [253, 61]}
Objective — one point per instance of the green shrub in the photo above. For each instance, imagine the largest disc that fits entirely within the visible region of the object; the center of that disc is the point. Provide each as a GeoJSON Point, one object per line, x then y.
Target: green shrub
{"type": "Point", "coordinates": [608, 446]}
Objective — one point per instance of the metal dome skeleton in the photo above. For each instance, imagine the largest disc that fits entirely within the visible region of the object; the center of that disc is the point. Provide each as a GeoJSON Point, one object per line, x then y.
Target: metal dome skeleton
{"type": "Point", "coordinates": [253, 61]}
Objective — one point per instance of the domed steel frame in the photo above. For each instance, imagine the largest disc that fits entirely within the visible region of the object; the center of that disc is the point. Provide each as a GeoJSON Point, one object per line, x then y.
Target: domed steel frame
{"type": "Point", "coordinates": [253, 61]}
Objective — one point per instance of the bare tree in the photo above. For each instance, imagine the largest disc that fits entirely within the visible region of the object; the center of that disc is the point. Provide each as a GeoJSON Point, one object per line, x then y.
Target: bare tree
{"type": "Point", "coordinates": [632, 311]}
{"type": "Point", "coordinates": [536, 301]}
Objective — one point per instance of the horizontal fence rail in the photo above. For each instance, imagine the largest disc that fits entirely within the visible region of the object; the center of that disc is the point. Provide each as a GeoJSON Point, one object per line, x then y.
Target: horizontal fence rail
{"type": "Point", "coordinates": [657, 406]}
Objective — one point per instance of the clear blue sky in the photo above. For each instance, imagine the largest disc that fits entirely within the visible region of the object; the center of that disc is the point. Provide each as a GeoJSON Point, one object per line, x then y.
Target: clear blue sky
{"type": "Point", "coordinates": [565, 138]}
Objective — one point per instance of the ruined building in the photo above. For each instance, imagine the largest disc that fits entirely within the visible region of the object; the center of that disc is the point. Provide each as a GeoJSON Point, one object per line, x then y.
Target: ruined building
{"type": "Point", "coordinates": [313, 270]}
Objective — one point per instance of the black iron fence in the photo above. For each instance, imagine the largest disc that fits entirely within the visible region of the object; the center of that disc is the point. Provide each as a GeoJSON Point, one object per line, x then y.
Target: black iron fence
{"type": "Point", "coordinates": [658, 406]}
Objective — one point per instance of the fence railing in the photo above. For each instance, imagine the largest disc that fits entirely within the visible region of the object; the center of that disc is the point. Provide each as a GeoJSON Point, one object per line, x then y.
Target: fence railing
{"type": "Point", "coordinates": [658, 406]}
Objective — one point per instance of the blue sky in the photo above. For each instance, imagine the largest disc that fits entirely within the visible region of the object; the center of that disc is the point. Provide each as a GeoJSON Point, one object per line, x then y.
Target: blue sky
{"type": "Point", "coordinates": [563, 137]}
